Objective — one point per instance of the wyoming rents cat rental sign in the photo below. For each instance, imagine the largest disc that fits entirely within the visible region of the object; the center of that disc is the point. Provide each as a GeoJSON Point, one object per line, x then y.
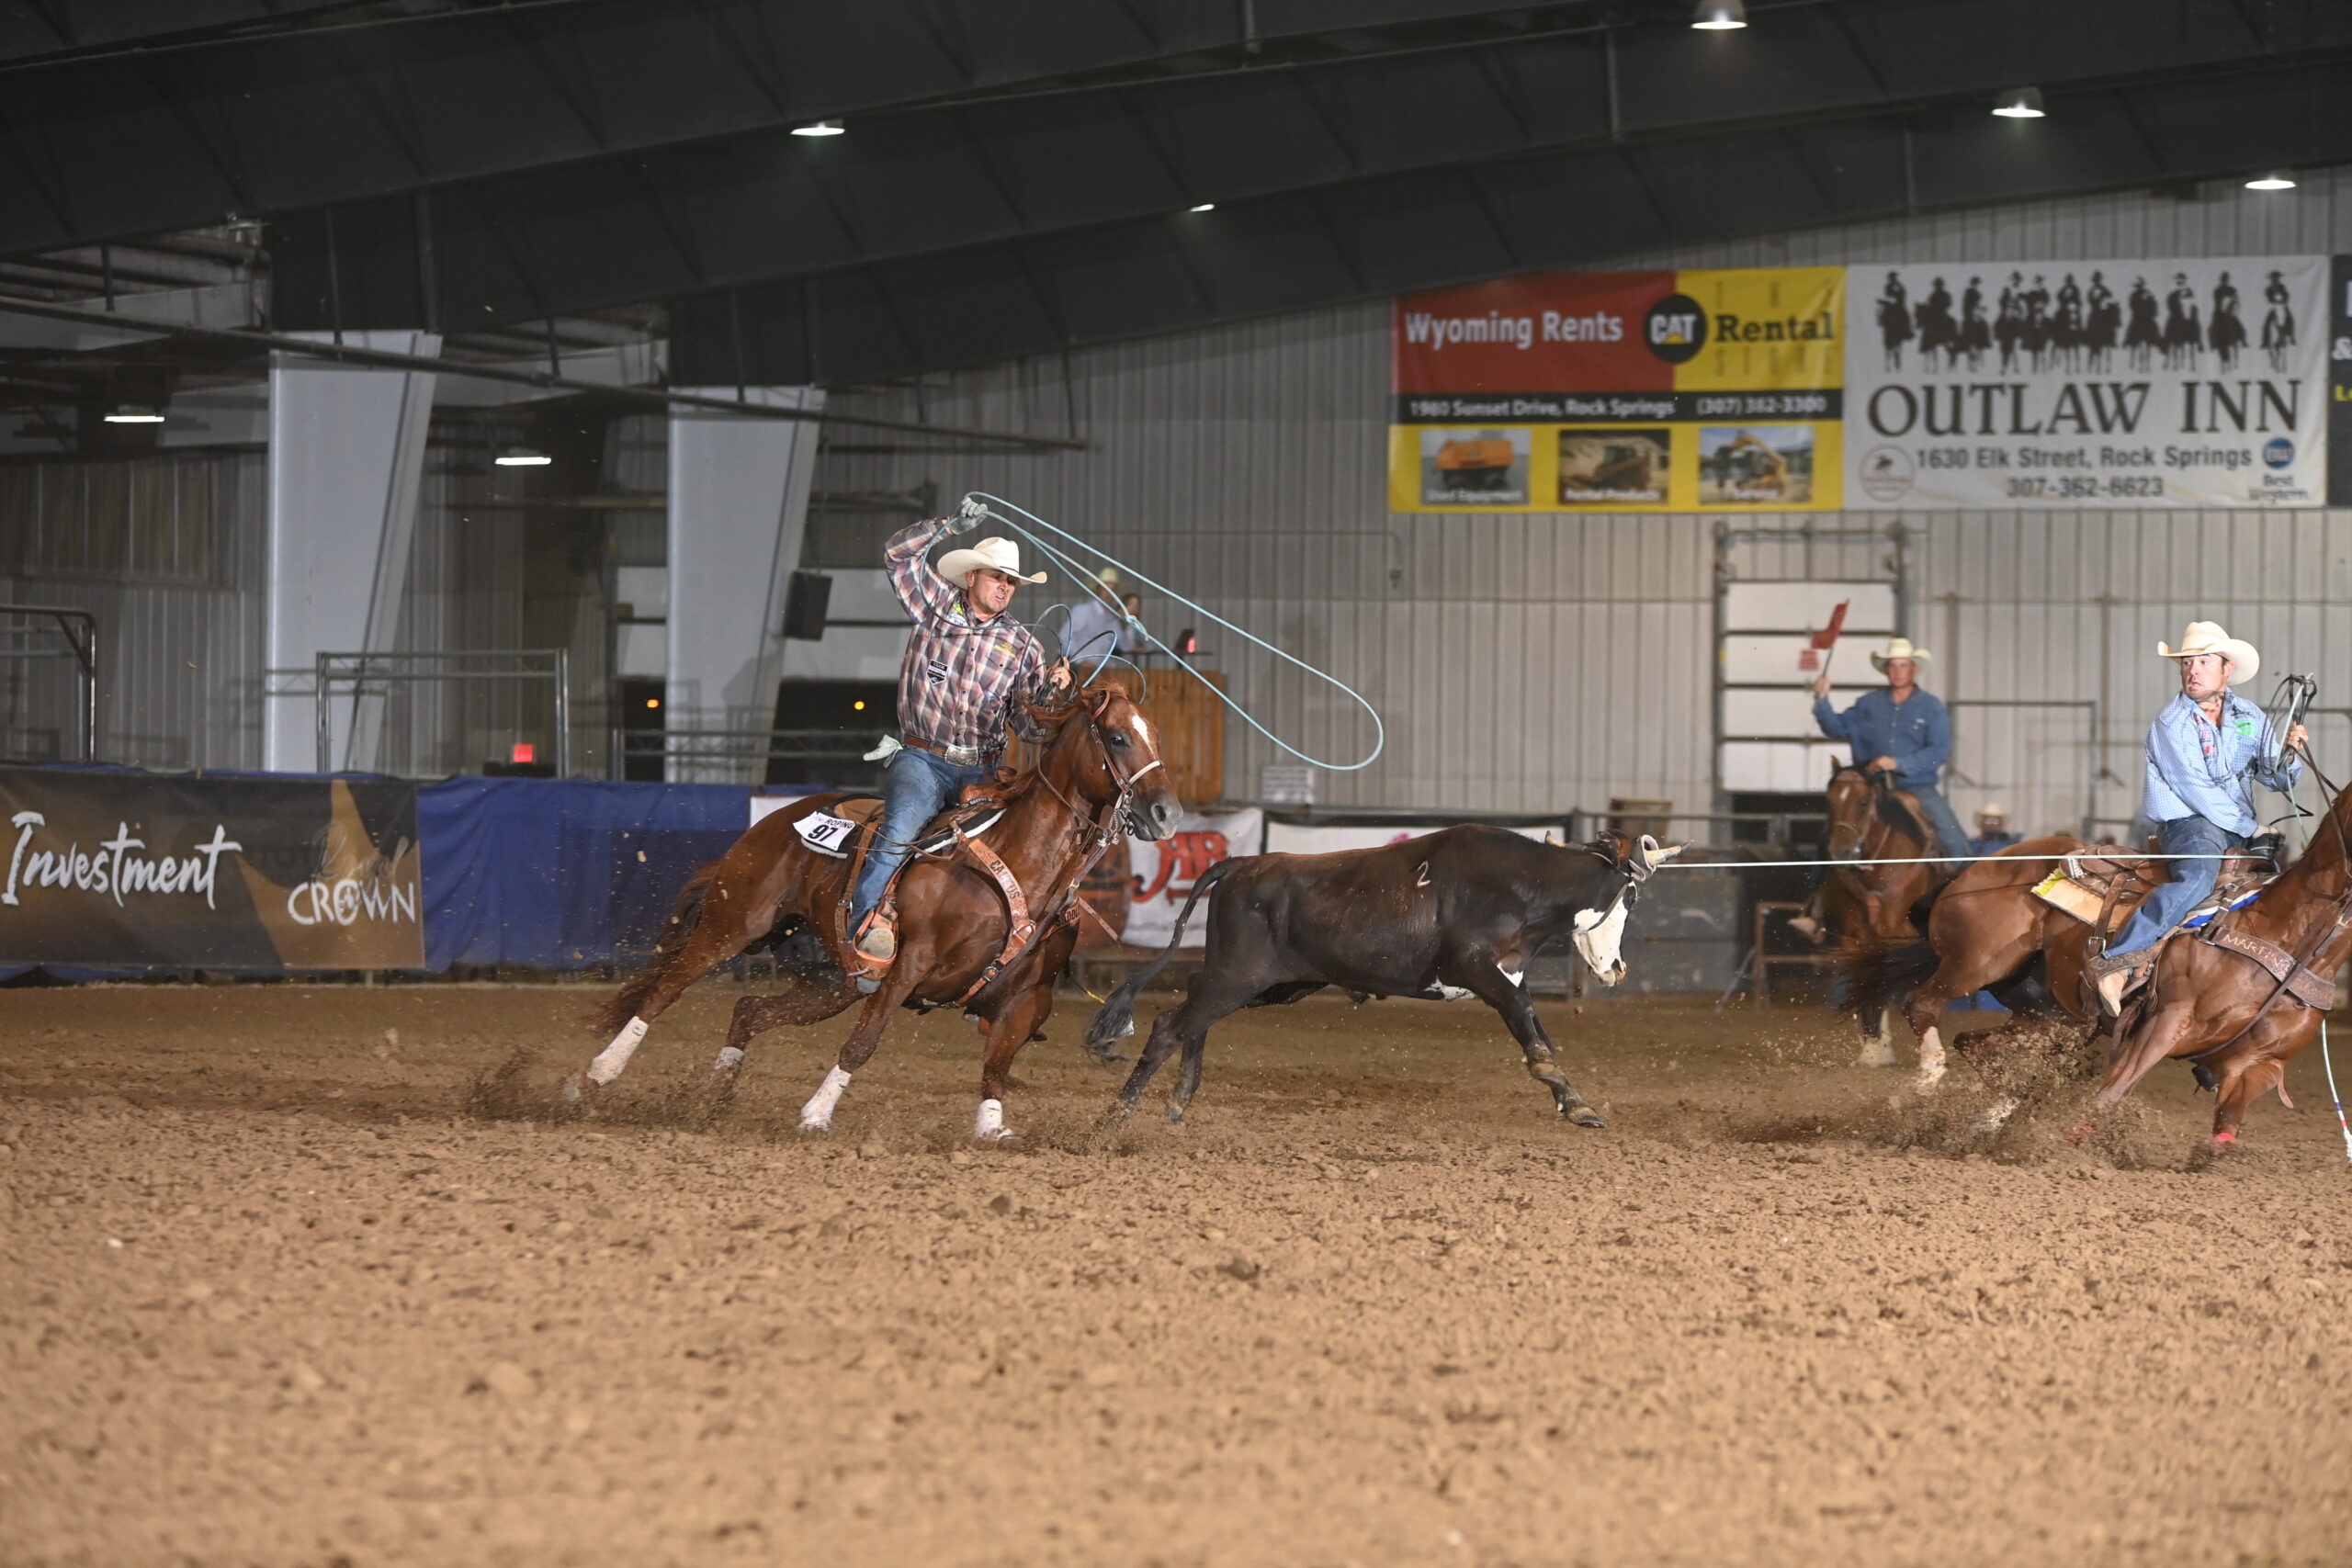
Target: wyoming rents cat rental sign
{"type": "Point", "coordinates": [1984, 385]}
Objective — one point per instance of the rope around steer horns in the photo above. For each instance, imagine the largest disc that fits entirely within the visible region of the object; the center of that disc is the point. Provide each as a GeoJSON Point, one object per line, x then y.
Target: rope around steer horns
{"type": "Point", "coordinates": [1068, 564]}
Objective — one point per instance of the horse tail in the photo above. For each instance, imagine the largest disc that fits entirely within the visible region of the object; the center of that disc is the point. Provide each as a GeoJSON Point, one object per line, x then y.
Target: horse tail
{"type": "Point", "coordinates": [1881, 973]}
{"type": "Point", "coordinates": [1115, 1018]}
{"type": "Point", "coordinates": [684, 916]}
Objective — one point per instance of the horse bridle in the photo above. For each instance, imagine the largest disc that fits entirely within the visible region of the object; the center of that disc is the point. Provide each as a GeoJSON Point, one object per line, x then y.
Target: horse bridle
{"type": "Point", "coordinates": [1114, 821]}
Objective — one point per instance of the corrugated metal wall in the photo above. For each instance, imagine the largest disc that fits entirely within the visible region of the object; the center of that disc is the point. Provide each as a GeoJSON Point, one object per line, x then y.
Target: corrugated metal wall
{"type": "Point", "coordinates": [1524, 663]}
{"type": "Point", "coordinates": [1534, 662]}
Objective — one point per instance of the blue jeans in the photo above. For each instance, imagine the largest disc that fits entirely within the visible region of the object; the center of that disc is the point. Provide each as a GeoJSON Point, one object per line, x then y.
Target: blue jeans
{"type": "Point", "coordinates": [918, 787]}
{"type": "Point", "coordinates": [2191, 884]}
{"type": "Point", "coordinates": [1941, 820]}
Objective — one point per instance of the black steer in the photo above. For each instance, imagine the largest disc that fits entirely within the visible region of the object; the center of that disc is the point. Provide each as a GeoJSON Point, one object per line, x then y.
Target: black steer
{"type": "Point", "coordinates": [1455, 913]}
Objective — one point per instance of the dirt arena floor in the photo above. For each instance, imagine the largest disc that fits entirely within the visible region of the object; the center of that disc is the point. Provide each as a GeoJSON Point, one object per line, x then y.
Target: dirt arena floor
{"type": "Point", "coordinates": [281, 1284]}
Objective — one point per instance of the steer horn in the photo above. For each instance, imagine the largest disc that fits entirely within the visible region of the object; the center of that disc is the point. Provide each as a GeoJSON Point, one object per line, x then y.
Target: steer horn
{"type": "Point", "coordinates": [1647, 857]}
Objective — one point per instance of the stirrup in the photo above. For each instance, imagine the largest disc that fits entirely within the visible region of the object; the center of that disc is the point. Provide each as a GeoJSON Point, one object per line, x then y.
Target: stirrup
{"type": "Point", "coordinates": [868, 969]}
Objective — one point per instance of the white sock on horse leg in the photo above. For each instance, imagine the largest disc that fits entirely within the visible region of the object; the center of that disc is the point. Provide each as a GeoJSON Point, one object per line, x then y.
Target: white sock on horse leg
{"type": "Point", "coordinates": [613, 1060]}
{"type": "Point", "coordinates": [819, 1112]}
{"type": "Point", "coordinates": [1931, 1058]}
{"type": "Point", "coordinates": [989, 1123]}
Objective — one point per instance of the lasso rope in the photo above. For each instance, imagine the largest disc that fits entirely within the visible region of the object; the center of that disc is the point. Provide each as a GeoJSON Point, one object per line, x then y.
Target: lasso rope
{"type": "Point", "coordinates": [1076, 569]}
{"type": "Point", "coordinates": [2328, 1061]}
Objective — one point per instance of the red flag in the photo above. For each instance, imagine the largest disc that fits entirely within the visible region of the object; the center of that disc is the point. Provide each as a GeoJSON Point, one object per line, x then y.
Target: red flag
{"type": "Point", "coordinates": [1826, 638]}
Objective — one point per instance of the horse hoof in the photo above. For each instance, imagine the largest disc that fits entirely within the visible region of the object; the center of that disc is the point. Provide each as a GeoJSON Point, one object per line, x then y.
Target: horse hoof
{"type": "Point", "coordinates": [996, 1135]}
{"type": "Point", "coordinates": [2225, 1137]}
{"type": "Point", "coordinates": [570, 1093]}
{"type": "Point", "coordinates": [1993, 1117]}
{"type": "Point", "coordinates": [816, 1129]}
{"type": "Point", "coordinates": [2078, 1134]}
{"type": "Point", "coordinates": [1583, 1116]}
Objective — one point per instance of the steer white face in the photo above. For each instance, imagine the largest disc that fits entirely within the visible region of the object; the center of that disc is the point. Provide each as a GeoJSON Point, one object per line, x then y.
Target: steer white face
{"type": "Point", "coordinates": [1601, 933]}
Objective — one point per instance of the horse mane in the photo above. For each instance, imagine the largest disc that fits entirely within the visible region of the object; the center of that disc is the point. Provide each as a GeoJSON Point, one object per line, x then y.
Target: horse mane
{"type": "Point", "coordinates": [1899, 817]}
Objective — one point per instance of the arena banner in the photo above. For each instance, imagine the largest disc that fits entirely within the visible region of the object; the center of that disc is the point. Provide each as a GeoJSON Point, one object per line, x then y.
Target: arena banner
{"type": "Point", "coordinates": [1633, 391]}
{"type": "Point", "coordinates": [124, 870]}
{"type": "Point", "coordinates": [2339, 391]}
{"type": "Point", "coordinates": [2088, 384]}
{"type": "Point", "coordinates": [1165, 871]}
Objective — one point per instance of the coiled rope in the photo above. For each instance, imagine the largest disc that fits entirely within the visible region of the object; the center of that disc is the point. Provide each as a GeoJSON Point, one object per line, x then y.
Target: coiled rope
{"type": "Point", "coordinates": [1021, 525]}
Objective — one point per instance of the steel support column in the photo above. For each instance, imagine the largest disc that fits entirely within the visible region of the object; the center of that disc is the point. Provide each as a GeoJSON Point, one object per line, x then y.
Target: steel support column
{"type": "Point", "coordinates": [346, 452]}
{"type": "Point", "coordinates": [739, 502]}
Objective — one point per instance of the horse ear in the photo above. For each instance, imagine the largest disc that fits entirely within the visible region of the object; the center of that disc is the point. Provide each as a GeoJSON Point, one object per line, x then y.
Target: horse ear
{"type": "Point", "coordinates": [1101, 697]}
{"type": "Point", "coordinates": [1554, 839]}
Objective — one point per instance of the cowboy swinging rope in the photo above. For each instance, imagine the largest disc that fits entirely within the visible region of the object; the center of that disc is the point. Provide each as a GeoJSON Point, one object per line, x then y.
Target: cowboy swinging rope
{"type": "Point", "coordinates": [1068, 564]}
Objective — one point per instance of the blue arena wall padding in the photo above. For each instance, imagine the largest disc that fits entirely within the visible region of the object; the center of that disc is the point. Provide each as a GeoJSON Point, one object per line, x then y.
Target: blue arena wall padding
{"type": "Point", "coordinates": [561, 873]}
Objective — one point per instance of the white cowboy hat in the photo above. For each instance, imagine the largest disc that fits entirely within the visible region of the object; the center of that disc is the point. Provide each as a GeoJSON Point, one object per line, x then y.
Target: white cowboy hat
{"type": "Point", "coordinates": [2207, 637]}
{"type": "Point", "coordinates": [1108, 576]}
{"type": "Point", "coordinates": [1991, 809]}
{"type": "Point", "coordinates": [1900, 647]}
{"type": "Point", "coordinates": [997, 555]}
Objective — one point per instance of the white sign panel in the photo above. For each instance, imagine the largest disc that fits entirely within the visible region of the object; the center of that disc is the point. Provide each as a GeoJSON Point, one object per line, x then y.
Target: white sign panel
{"type": "Point", "coordinates": [2084, 384]}
{"type": "Point", "coordinates": [1166, 870]}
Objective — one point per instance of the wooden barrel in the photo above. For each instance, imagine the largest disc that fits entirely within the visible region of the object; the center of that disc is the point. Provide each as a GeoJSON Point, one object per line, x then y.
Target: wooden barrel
{"type": "Point", "coordinates": [1105, 890]}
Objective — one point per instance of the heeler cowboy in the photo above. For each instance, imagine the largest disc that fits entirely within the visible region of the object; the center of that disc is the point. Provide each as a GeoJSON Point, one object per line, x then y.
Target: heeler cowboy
{"type": "Point", "coordinates": [2205, 752]}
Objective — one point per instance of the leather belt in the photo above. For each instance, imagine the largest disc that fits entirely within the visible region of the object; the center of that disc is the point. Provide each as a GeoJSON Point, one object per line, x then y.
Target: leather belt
{"type": "Point", "coordinates": [959, 756]}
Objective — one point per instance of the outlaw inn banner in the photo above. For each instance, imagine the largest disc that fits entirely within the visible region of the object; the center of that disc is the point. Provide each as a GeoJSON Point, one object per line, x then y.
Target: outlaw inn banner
{"type": "Point", "coordinates": [2092, 384]}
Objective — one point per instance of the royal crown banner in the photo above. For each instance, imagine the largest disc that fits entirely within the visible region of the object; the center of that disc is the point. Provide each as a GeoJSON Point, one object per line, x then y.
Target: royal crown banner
{"type": "Point", "coordinates": [2088, 384]}
{"type": "Point", "coordinates": [1630, 391]}
{"type": "Point", "coordinates": [125, 870]}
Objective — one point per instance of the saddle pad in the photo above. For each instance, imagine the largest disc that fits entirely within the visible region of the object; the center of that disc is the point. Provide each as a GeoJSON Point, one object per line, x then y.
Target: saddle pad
{"type": "Point", "coordinates": [2069, 898]}
{"type": "Point", "coordinates": [2204, 916]}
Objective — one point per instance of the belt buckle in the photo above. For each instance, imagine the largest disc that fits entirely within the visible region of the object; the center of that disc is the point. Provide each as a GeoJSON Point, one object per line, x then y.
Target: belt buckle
{"type": "Point", "coordinates": [962, 756]}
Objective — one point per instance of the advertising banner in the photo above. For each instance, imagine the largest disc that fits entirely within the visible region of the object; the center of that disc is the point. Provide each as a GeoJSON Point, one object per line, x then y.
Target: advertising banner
{"type": "Point", "coordinates": [2090, 384]}
{"type": "Point", "coordinates": [2339, 400]}
{"type": "Point", "coordinates": [1633, 391]}
{"type": "Point", "coordinates": [113, 870]}
{"type": "Point", "coordinates": [1166, 870]}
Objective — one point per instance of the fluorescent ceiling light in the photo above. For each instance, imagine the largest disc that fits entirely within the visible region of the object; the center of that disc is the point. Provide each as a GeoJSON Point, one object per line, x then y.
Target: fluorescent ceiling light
{"type": "Point", "coordinates": [134, 414]}
{"type": "Point", "coordinates": [522, 457]}
{"type": "Point", "coordinates": [2277, 179]}
{"type": "Point", "coordinates": [1719, 16]}
{"type": "Point", "coordinates": [2019, 103]}
{"type": "Point", "coordinates": [822, 128]}
{"type": "Point", "coordinates": [1204, 206]}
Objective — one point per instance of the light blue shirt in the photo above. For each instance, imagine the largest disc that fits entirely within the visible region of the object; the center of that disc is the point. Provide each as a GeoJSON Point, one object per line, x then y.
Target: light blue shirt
{"type": "Point", "coordinates": [1915, 732]}
{"type": "Point", "coordinates": [2196, 769]}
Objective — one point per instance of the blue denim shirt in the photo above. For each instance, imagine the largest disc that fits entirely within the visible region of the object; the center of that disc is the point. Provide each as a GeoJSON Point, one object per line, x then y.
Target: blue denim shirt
{"type": "Point", "coordinates": [2196, 769]}
{"type": "Point", "coordinates": [1915, 732]}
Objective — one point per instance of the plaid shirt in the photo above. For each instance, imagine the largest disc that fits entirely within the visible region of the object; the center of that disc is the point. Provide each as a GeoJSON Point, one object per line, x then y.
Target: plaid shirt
{"type": "Point", "coordinates": [960, 675]}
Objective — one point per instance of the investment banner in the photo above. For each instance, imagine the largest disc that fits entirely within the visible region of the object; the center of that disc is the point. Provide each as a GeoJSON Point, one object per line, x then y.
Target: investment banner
{"type": "Point", "coordinates": [113, 870]}
{"type": "Point", "coordinates": [1630, 391]}
{"type": "Point", "coordinates": [2088, 384]}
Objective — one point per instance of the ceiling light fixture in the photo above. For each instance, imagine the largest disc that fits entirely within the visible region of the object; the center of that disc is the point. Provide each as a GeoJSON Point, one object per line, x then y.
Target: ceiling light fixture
{"type": "Point", "coordinates": [821, 128]}
{"type": "Point", "coordinates": [1719, 16]}
{"type": "Point", "coordinates": [135, 414]}
{"type": "Point", "coordinates": [2276, 179]}
{"type": "Point", "coordinates": [1202, 207]}
{"type": "Point", "coordinates": [522, 457]}
{"type": "Point", "coordinates": [2019, 103]}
